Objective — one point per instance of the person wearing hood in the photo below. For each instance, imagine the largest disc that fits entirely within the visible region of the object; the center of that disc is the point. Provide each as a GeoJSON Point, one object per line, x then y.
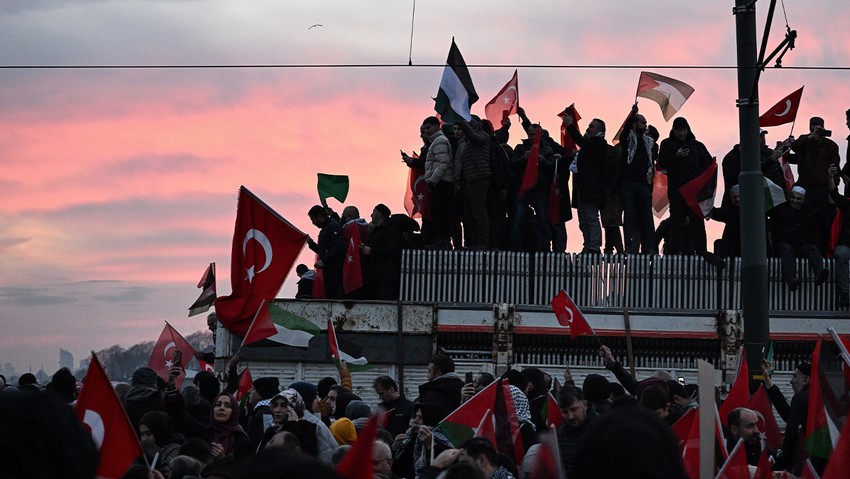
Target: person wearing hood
{"type": "Point", "coordinates": [143, 396]}
{"type": "Point", "coordinates": [157, 427]}
{"type": "Point", "coordinates": [685, 158]}
{"type": "Point", "coordinates": [288, 413]}
{"type": "Point", "coordinates": [443, 386]}
{"type": "Point", "coordinates": [325, 442]}
{"type": "Point", "coordinates": [261, 418]}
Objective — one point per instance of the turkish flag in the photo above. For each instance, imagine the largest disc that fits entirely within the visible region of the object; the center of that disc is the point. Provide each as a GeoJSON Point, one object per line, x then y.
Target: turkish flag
{"type": "Point", "coordinates": [245, 384]}
{"type": "Point", "coordinates": [504, 104]}
{"type": "Point", "coordinates": [566, 140]}
{"type": "Point", "coordinates": [262, 326]}
{"type": "Point", "coordinates": [162, 356]}
{"type": "Point", "coordinates": [100, 410]}
{"type": "Point", "coordinates": [205, 366]}
{"type": "Point", "coordinates": [660, 201]}
{"type": "Point", "coordinates": [760, 403]}
{"type": "Point", "coordinates": [736, 466]}
{"type": "Point", "coordinates": [265, 247]}
{"type": "Point", "coordinates": [569, 315]}
{"type": "Point", "coordinates": [785, 111]}
{"type": "Point", "coordinates": [739, 394]}
{"type": "Point", "coordinates": [352, 271]}
{"type": "Point", "coordinates": [318, 282]}
{"type": "Point", "coordinates": [417, 199]}
{"type": "Point", "coordinates": [529, 178]}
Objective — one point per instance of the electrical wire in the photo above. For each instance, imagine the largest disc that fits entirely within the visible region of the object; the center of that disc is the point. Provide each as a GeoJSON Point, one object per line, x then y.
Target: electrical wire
{"type": "Point", "coordinates": [211, 66]}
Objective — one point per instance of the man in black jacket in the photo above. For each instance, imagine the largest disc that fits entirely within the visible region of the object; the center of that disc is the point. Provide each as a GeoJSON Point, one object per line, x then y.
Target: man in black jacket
{"type": "Point", "coordinates": [394, 403]}
{"type": "Point", "coordinates": [330, 249]}
{"type": "Point", "coordinates": [382, 254]}
{"type": "Point", "coordinates": [794, 230]}
{"type": "Point", "coordinates": [589, 180]}
{"type": "Point", "coordinates": [795, 415]}
{"type": "Point", "coordinates": [577, 419]}
{"type": "Point", "coordinates": [443, 386]}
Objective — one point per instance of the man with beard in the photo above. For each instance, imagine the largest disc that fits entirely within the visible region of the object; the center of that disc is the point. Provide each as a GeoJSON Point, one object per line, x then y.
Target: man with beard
{"type": "Point", "coordinates": [330, 249]}
{"type": "Point", "coordinates": [589, 180]}
{"type": "Point", "coordinates": [577, 419]}
{"type": "Point", "coordinates": [743, 424]}
{"type": "Point", "coordinates": [637, 168]}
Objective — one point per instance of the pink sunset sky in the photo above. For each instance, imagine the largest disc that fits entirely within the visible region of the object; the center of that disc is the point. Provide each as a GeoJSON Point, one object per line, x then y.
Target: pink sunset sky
{"type": "Point", "coordinates": [119, 185]}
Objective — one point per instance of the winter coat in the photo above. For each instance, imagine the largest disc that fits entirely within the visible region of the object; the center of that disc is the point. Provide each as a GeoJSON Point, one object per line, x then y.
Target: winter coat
{"type": "Point", "coordinates": [473, 155]}
{"type": "Point", "coordinates": [439, 165]}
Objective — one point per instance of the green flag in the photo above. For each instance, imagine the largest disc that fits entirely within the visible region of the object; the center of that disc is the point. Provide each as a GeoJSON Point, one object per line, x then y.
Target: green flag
{"type": "Point", "coordinates": [332, 186]}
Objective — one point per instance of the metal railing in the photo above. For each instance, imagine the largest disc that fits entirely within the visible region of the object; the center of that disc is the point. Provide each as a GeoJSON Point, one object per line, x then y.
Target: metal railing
{"type": "Point", "coordinates": [667, 282]}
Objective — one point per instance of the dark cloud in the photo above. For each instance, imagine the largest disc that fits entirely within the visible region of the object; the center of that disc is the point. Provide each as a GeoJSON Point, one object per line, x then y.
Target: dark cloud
{"type": "Point", "coordinates": [126, 294]}
{"type": "Point", "coordinates": [8, 242]}
{"type": "Point", "coordinates": [32, 296]}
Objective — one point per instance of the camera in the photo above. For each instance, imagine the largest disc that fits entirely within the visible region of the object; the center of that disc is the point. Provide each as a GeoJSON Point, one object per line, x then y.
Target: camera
{"type": "Point", "coordinates": [825, 133]}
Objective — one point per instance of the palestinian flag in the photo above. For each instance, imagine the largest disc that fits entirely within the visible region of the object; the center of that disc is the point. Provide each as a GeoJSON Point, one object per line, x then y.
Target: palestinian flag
{"type": "Point", "coordinates": [669, 93]}
{"type": "Point", "coordinates": [456, 94]}
{"type": "Point", "coordinates": [292, 330]}
{"type": "Point", "coordinates": [346, 351]}
{"type": "Point", "coordinates": [774, 195]}
{"type": "Point", "coordinates": [827, 410]}
{"type": "Point", "coordinates": [699, 192]}
{"type": "Point", "coordinates": [208, 293]}
{"type": "Point", "coordinates": [464, 422]}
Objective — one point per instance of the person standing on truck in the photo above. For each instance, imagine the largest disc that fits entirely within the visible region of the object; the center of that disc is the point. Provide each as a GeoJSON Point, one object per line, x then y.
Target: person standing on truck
{"type": "Point", "coordinates": [330, 249]}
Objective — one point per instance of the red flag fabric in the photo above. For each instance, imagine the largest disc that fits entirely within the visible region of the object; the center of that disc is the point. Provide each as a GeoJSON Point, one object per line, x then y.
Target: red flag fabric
{"type": "Point", "coordinates": [99, 408]}
{"type": "Point", "coordinates": [508, 438]}
{"type": "Point", "coordinates": [818, 439]}
{"type": "Point", "coordinates": [669, 93]}
{"type": "Point", "coordinates": [682, 427]}
{"type": "Point", "coordinates": [699, 192]}
{"type": "Point", "coordinates": [208, 292]}
{"type": "Point", "coordinates": [809, 472]}
{"type": "Point", "coordinates": [739, 394]}
{"type": "Point", "coordinates": [417, 199]}
{"type": "Point", "coordinates": [504, 104]}
{"type": "Point", "coordinates": [784, 111]}
{"type": "Point", "coordinates": [352, 271]}
{"type": "Point", "coordinates": [529, 178]}
{"type": "Point", "coordinates": [262, 326]}
{"type": "Point", "coordinates": [566, 140]}
{"type": "Point", "coordinates": [318, 282]}
{"type": "Point", "coordinates": [660, 202]}
{"type": "Point", "coordinates": [548, 464]}
{"type": "Point", "coordinates": [265, 247]}
{"type": "Point", "coordinates": [163, 354]}
{"type": "Point", "coordinates": [552, 412]}
{"type": "Point", "coordinates": [760, 403]}
{"type": "Point", "coordinates": [690, 446]}
{"type": "Point", "coordinates": [460, 425]}
{"type": "Point", "coordinates": [245, 384]}
{"type": "Point", "coordinates": [616, 138]}
{"type": "Point", "coordinates": [205, 366]}
{"type": "Point", "coordinates": [765, 467]}
{"type": "Point", "coordinates": [839, 463]}
{"type": "Point", "coordinates": [736, 466]}
{"type": "Point", "coordinates": [486, 429]}
{"type": "Point", "coordinates": [569, 315]}
{"type": "Point", "coordinates": [357, 462]}
{"type": "Point", "coordinates": [834, 232]}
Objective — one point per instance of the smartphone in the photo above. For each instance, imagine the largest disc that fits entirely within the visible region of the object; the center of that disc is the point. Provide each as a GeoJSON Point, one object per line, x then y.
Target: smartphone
{"type": "Point", "coordinates": [469, 378]}
{"type": "Point", "coordinates": [178, 358]}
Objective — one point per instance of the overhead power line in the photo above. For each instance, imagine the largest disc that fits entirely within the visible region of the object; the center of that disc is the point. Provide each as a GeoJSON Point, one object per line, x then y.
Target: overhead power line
{"type": "Point", "coordinates": [303, 66]}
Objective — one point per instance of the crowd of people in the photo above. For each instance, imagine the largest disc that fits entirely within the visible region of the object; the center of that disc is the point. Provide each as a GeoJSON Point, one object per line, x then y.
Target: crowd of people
{"type": "Point", "coordinates": [304, 429]}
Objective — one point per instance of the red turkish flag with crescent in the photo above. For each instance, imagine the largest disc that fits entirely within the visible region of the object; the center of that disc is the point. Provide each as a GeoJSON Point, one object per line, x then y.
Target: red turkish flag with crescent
{"type": "Point", "coordinates": [504, 104]}
{"type": "Point", "coordinates": [245, 384]}
{"type": "Point", "coordinates": [529, 178]}
{"type": "Point", "coordinates": [352, 271]}
{"type": "Point", "coordinates": [785, 111]}
{"type": "Point", "coordinates": [417, 198]}
{"type": "Point", "coordinates": [205, 366]}
{"type": "Point", "coordinates": [569, 315]}
{"type": "Point", "coordinates": [101, 412]}
{"type": "Point", "coordinates": [265, 246]}
{"type": "Point", "coordinates": [162, 356]}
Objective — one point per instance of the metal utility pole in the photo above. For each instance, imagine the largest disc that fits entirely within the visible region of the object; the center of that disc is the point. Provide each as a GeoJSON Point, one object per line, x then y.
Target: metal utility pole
{"type": "Point", "coordinates": [753, 242]}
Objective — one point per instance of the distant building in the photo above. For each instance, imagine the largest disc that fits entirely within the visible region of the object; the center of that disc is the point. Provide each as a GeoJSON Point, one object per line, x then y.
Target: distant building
{"type": "Point", "coordinates": [66, 359]}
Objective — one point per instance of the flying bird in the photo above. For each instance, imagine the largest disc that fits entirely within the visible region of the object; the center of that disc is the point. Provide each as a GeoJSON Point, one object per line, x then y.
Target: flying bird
{"type": "Point", "coordinates": [314, 25]}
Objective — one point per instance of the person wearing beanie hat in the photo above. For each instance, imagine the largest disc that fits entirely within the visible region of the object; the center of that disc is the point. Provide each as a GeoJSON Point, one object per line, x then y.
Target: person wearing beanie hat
{"type": "Point", "coordinates": [685, 159]}
{"type": "Point", "coordinates": [325, 441]}
{"type": "Point", "coordinates": [597, 391]}
{"type": "Point", "coordinates": [261, 417]}
{"type": "Point", "coordinates": [794, 229]}
{"type": "Point", "coordinates": [143, 396]}
{"type": "Point", "coordinates": [795, 415]}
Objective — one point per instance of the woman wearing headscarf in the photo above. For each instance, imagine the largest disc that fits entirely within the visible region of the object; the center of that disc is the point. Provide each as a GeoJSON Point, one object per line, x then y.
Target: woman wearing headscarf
{"type": "Point", "coordinates": [429, 437]}
{"type": "Point", "coordinates": [288, 414]}
{"type": "Point", "coordinates": [526, 428]}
